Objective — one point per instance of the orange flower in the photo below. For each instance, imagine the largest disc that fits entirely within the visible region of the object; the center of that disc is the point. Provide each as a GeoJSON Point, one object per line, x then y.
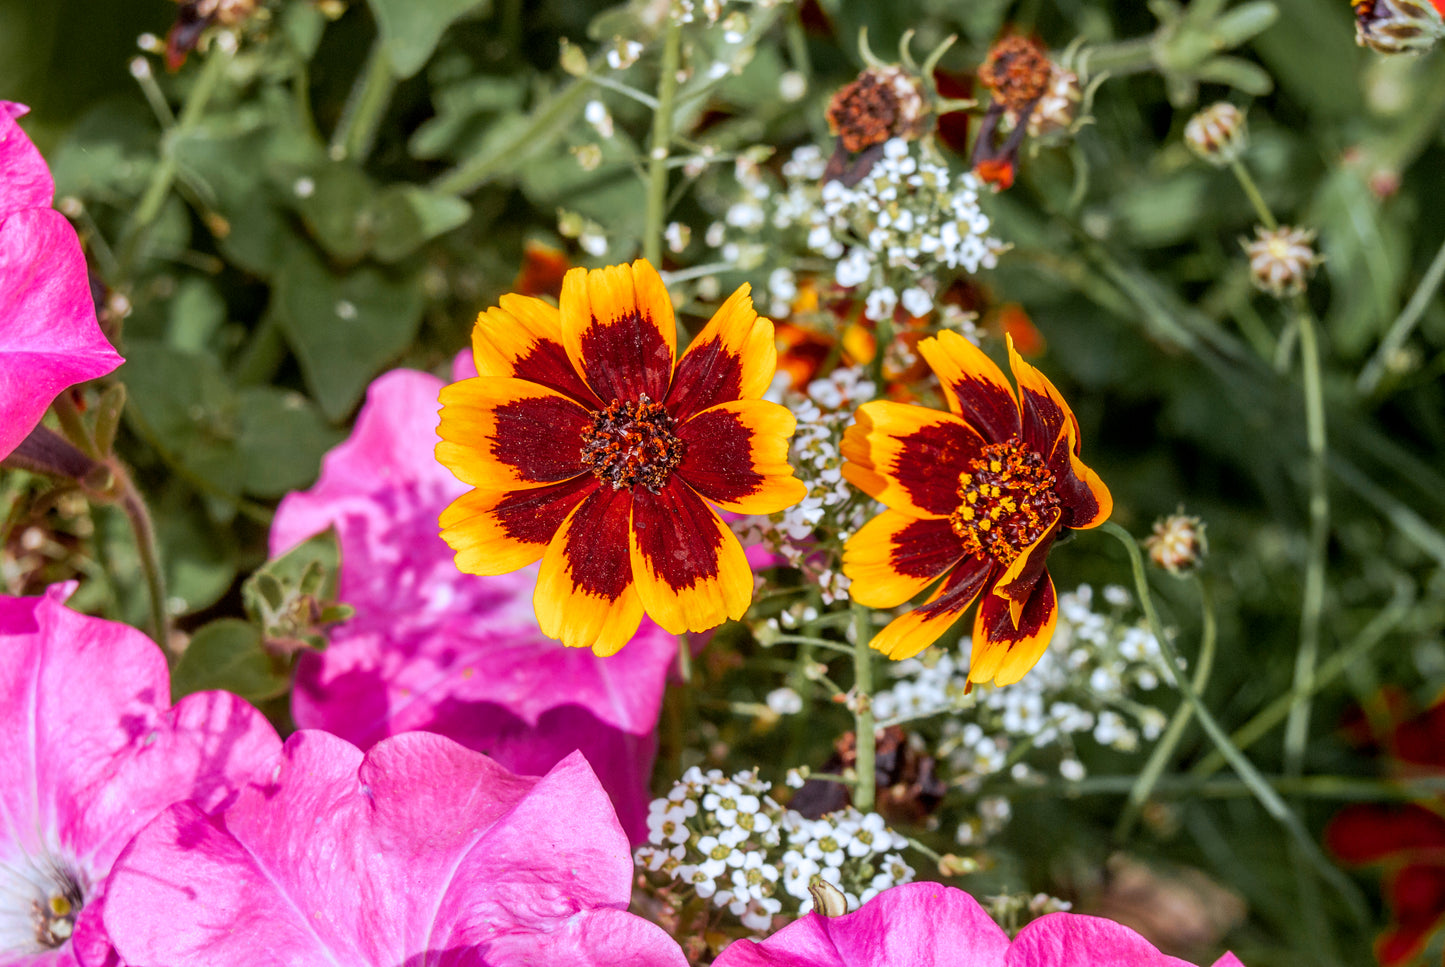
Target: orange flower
{"type": "Point", "coordinates": [588, 449]}
{"type": "Point", "coordinates": [975, 496]}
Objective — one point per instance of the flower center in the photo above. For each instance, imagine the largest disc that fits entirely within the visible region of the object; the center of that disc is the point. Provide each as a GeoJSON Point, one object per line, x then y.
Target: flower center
{"type": "Point", "coordinates": [632, 443]}
{"type": "Point", "coordinates": [1006, 502]}
{"type": "Point", "coordinates": [55, 915]}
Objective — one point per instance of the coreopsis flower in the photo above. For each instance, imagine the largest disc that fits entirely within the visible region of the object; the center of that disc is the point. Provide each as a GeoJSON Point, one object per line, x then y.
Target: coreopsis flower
{"type": "Point", "coordinates": [1218, 134]}
{"type": "Point", "coordinates": [588, 449]}
{"type": "Point", "coordinates": [49, 336]}
{"type": "Point", "coordinates": [433, 648]}
{"type": "Point", "coordinates": [1282, 259]}
{"type": "Point", "coordinates": [975, 496]}
{"type": "Point", "coordinates": [1408, 839]}
{"type": "Point", "coordinates": [417, 852]}
{"type": "Point", "coordinates": [1398, 26]}
{"type": "Point", "coordinates": [93, 751]}
{"type": "Point", "coordinates": [1177, 543]}
{"type": "Point", "coordinates": [931, 925]}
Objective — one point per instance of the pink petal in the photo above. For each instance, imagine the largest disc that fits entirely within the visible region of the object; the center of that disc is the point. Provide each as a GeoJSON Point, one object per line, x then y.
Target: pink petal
{"type": "Point", "coordinates": [1066, 939]}
{"type": "Point", "coordinates": [432, 648]}
{"type": "Point", "coordinates": [464, 861]}
{"type": "Point", "coordinates": [49, 337]}
{"type": "Point", "coordinates": [914, 925]}
{"type": "Point", "coordinates": [24, 176]}
{"type": "Point", "coordinates": [93, 749]}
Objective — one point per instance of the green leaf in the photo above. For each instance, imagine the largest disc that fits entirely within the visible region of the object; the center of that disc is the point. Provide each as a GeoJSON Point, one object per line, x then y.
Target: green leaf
{"type": "Point", "coordinates": [196, 312]}
{"type": "Point", "coordinates": [334, 203]}
{"type": "Point", "coordinates": [282, 438]}
{"type": "Point", "coordinates": [181, 403]}
{"type": "Point", "coordinates": [463, 110]}
{"type": "Point", "coordinates": [344, 327]}
{"type": "Point", "coordinates": [411, 29]}
{"type": "Point", "coordinates": [228, 654]}
{"type": "Point", "coordinates": [406, 216]}
{"type": "Point", "coordinates": [320, 553]}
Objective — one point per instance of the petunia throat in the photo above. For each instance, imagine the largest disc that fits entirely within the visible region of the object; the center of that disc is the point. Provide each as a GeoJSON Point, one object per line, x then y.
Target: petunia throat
{"type": "Point", "coordinates": [1006, 501]}
{"type": "Point", "coordinates": [39, 904]}
{"type": "Point", "coordinates": [632, 443]}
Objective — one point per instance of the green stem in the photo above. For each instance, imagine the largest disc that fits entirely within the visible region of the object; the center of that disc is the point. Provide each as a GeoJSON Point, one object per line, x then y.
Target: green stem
{"type": "Point", "coordinates": [1403, 325]}
{"type": "Point", "coordinates": [149, 207]}
{"type": "Point", "coordinates": [365, 105]}
{"type": "Point", "coordinates": [1375, 632]}
{"type": "Point", "coordinates": [1248, 774]}
{"type": "Point", "coordinates": [1312, 607]}
{"type": "Point", "coordinates": [1246, 181]}
{"type": "Point", "coordinates": [813, 642]}
{"type": "Point", "coordinates": [657, 151]}
{"type": "Point", "coordinates": [1154, 768]}
{"type": "Point", "coordinates": [1346, 788]}
{"type": "Point", "coordinates": [68, 414]}
{"type": "Point", "coordinates": [684, 660]}
{"type": "Point", "coordinates": [134, 507]}
{"type": "Point", "coordinates": [1124, 57]}
{"type": "Point", "coordinates": [863, 794]}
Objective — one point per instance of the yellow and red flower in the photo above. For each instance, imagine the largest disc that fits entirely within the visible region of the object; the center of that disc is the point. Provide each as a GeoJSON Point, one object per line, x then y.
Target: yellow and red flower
{"type": "Point", "coordinates": [588, 449]}
{"type": "Point", "coordinates": [975, 496]}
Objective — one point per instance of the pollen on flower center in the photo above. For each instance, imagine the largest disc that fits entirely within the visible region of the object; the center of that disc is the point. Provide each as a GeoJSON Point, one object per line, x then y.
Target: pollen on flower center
{"type": "Point", "coordinates": [632, 443]}
{"type": "Point", "coordinates": [53, 911]}
{"type": "Point", "coordinates": [1006, 502]}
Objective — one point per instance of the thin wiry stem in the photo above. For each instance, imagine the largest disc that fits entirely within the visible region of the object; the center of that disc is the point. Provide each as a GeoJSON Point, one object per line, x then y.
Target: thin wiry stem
{"type": "Point", "coordinates": [863, 793]}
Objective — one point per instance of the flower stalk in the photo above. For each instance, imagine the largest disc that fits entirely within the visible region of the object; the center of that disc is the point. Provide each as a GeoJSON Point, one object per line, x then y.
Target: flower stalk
{"type": "Point", "coordinates": [866, 789]}
{"type": "Point", "coordinates": [657, 153]}
{"type": "Point", "coordinates": [365, 106]}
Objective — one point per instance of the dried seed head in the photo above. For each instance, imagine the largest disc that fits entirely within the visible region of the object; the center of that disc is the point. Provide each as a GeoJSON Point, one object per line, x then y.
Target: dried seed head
{"type": "Point", "coordinates": [1398, 26]}
{"type": "Point", "coordinates": [1017, 71]}
{"type": "Point", "coordinates": [1058, 108]}
{"type": "Point", "coordinates": [882, 103]}
{"type": "Point", "coordinates": [1177, 544]}
{"type": "Point", "coordinates": [1282, 259]}
{"type": "Point", "coordinates": [1217, 134]}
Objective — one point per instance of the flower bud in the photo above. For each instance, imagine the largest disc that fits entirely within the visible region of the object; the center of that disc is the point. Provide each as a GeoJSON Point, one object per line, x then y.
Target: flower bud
{"type": "Point", "coordinates": [1217, 134]}
{"type": "Point", "coordinates": [882, 103]}
{"type": "Point", "coordinates": [1397, 26]}
{"type": "Point", "coordinates": [1177, 544]}
{"type": "Point", "coordinates": [828, 900]}
{"type": "Point", "coordinates": [1282, 259]}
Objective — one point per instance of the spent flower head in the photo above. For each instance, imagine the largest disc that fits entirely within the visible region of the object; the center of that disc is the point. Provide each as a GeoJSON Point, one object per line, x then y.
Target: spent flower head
{"type": "Point", "coordinates": [1399, 26]}
{"type": "Point", "coordinates": [1282, 259]}
{"type": "Point", "coordinates": [1218, 134]}
{"type": "Point", "coordinates": [1177, 544]}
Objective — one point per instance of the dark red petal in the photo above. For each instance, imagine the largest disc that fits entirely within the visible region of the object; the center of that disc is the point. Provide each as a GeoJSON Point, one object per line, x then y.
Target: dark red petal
{"type": "Point", "coordinates": [707, 374]}
{"type": "Point", "coordinates": [929, 463]}
{"type": "Point", "coordinates": [925, 548]}
{"type": "Point", "coordinates": [547, 363]}
{"type": "Point", "coordinates": [1017, 582]}
{"type": "Point", "coordinates": [964, 583]}
{"type": "Point", "coordinates": [541, 438]}
{"type": "Point", "coordinates": [596, 552]}
{"type": "Point", "coordinates": [1421, 740]}
{"type": "Point", "coordinates": [717, 456]}
{"type": "Point", "coordinates": [1416, 896]}
{"type": "Point", "coordinates": [535, 515]}
{"type": "Point", "coordinates": [1080, 503]}
{"type": "Point", "coordinates": [676, 534]}
{"type": "Point", "coordinates": [976, 387]}
{"type": "Point", "coordinates": [1368, 833]}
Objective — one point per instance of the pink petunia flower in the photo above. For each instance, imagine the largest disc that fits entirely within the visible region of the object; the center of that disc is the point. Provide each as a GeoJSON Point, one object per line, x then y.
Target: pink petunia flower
{"type": "Point", "coordinates": [49, 337]}
{"type": "Point", "coordinates": [92, 751]}
{"type": "Point", "coordinates": [931, 925]}
{"type": "Point", "coordinates": [435, 649]}
{"type": "Point", "coordinates": [418, 853]}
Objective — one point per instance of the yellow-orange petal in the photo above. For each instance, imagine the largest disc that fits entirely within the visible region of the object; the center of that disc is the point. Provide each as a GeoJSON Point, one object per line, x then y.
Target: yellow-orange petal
{"type": "Point", "coordinates": [733, 358]}
{"type": "Point", "coordinates": [690, 570]}
{"type": "Point", "coordinates": [1004, 651]}
{"type": "Point", "coordinates": [619, 330]}
{"type": "Point", "coordinates": [522, 339]}
{"type": "Point", "coordinates": [736, 455]}
{"type": "Point", "coordinates": [493, 533]}
{"type": "Point", "coordinates": [910, 633]}
{"type": "Point", "coordinates": [1047, 419]}
{"type": "Point", "coordinates": [895, 556]}
{"type": "Point", "coordinates": [973, 385]}
{"type": "Point", "coordinates": [505, 434]}
{"type": "Point", "coordinates": [909, 457]}
{"type": "Point", "coordinates": [585, 595]}
{"type": "Point", "coordinates": [1018, 579]}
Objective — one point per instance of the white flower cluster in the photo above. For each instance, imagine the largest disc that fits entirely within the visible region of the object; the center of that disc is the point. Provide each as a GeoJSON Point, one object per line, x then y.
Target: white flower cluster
{"type": "Point", "coordinates": [1086, 683]}
{"type": "Point", "coordinates": [893, 233]}
{"type": "Point", "coordinates": [730, 842]}
{"type": "Point", "coordinates": [823, 413]}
